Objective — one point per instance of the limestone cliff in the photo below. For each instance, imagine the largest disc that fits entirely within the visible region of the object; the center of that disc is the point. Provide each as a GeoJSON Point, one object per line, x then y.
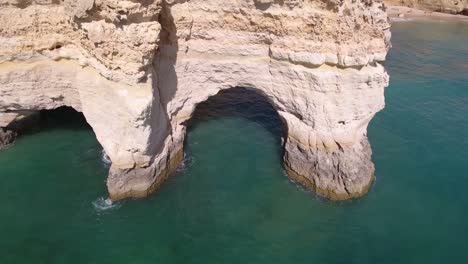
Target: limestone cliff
{"type": "Point", "coordinates": [445, 6]}
{"type": "Point", "coordinates": [137, 70]}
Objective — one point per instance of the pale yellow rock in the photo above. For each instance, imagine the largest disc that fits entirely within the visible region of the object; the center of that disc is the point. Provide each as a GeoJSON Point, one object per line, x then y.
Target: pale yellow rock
{"type": "Point", "coordinates": [137, 70]}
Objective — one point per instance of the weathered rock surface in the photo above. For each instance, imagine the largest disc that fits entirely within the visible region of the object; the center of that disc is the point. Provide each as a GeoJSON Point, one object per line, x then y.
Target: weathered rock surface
{"type": "Point", "coordinates": [445, 6]}
{"type": "Point", "coordinates": [14, 123]}
{"type": "Point", "coordinates": [6, 137]}
{"type": "Point", "coordinates": [137, 70]}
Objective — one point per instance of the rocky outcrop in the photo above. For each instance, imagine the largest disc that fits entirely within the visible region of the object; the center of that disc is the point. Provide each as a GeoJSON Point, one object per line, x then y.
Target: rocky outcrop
{"type": "Point", "coordinates": [6, 137]}
{"type": "Point", "coordinates": [138, 69]}
{"type": "Point", "coordinates": [445, 6]}
{"type": "Point", "coordinates": [13, 123]}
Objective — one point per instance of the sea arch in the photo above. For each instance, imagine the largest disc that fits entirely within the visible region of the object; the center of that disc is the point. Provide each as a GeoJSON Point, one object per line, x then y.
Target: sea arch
{"type": "Point", "coordinates": [114, 110]}
{"type": "Point", "coordinates": [138, 77]}
{"type": "Point", "coordinates": [141, 126]}
{"type": "Point", "coordinates": [325, 147]}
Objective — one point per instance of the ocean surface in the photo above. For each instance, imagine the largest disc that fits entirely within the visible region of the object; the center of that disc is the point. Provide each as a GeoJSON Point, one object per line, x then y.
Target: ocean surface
{"type": "Point", "coordinates": [230, 201]}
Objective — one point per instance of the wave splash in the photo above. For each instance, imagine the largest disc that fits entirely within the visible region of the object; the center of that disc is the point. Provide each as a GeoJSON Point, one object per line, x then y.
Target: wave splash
{"type": "Point", "coordinates": [105, 204]}
{"type": "Point", "coordinates": [105, 159]}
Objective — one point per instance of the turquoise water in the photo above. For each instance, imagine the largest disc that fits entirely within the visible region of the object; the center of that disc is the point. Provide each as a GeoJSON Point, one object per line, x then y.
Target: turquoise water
{"type": "Point", "coordinates": [231, 203]}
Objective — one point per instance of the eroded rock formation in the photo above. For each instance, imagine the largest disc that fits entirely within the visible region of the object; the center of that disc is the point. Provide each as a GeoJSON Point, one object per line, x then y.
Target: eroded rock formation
{"type": "Point", "coordinates": [137, 70]}
{"type": "Point", "coordinates": [12, 123]}
{"type": "Point", "coordinates": [6, 137]}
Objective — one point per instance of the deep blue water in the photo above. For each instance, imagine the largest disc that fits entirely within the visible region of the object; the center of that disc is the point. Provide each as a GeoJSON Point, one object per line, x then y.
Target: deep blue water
{"type": "Point", "coordinates": [232, 203]}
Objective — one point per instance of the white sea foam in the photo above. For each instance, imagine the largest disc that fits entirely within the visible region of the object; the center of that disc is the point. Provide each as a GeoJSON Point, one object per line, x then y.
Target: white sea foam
{"type": "Point", "coordinates": [104, 204]}
{"type": "Point", "coordinates": [105, 159]}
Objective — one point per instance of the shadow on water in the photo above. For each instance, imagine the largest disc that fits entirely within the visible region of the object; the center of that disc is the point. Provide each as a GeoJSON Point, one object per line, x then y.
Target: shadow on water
{"type": "Point", "coordinates": [242, 103]}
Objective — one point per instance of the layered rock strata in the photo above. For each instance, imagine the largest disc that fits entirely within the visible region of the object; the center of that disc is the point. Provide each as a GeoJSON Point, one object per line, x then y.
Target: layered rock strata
{"type": "Point", "coordinates": [138, 69]}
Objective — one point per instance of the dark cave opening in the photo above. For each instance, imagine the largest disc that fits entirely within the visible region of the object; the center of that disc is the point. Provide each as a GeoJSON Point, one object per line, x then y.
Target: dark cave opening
{"type": "Point", "coordinates": [29, 122]}
{"type": "Point", "coordinates": [244, 103]}
{"type": "Point", "coordinates": [62, 118]}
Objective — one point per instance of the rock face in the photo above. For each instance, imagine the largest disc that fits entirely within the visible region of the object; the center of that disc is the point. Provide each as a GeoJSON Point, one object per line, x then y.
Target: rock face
{"type": "Point", "coordinates": [445, 6]}
{"type": "Point", "coordinates": [138, 69]}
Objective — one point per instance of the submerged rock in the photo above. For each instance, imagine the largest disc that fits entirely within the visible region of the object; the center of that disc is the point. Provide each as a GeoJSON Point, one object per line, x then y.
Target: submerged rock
{"type": "Point", "coordinates": [6, 137]}
{"type": "Point", "coordinates": [137, 70]}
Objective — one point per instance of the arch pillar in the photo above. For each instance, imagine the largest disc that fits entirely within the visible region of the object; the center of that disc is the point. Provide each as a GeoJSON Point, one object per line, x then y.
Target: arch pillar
{"type": "Point", "coordinates": [122, 116]}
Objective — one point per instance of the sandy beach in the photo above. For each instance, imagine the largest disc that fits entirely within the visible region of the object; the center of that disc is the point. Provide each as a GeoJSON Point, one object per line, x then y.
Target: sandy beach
{"type": "Point", "coordinates": [402, 12]}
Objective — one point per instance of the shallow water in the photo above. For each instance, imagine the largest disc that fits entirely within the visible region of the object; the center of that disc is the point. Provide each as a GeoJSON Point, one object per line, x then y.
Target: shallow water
{"type": "Point", "coordinates": [231, 202]}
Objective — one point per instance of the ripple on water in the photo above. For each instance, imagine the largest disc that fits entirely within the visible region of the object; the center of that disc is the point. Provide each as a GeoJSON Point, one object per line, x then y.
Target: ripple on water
{"type": "Point", "coordinates": [401, 19]}
{"type": "Point", "coordinates": [185, 163]}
